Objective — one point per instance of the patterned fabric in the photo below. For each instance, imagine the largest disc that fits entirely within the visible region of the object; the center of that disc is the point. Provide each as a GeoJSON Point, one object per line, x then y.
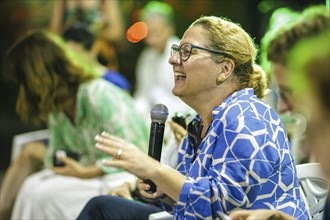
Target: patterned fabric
{"type": "Point", "coordinates": [101, 106]}
{"type": "Point", "coordinates": [244, 161]}
{"type": "Point", "coordinates": [326, 213]}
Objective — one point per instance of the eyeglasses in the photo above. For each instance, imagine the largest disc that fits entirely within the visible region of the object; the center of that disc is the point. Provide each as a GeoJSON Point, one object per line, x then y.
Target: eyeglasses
{"type": "Point", "coordinates": [186, 48]}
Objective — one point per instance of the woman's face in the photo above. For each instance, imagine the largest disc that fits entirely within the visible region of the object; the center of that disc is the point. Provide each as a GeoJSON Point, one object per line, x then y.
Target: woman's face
{"type": "Point", "coordinates": [197, 75]}
{"type": "Point", "coordinates": [285, 99]}
{"type": "Point", "coordinates": [158, 33]}
{"type": "Point", "coordinates": [318, 132]}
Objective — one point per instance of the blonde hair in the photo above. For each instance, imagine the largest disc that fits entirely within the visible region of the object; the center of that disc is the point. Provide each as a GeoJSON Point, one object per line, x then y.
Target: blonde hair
{"type": "Point", "coordinates": [48, 75]}
{"type": "Point", "coordinates": [228, 37]}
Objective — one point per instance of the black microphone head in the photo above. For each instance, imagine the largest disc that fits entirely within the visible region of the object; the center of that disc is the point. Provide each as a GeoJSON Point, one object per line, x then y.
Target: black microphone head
{"type": "Point", "coordinates": [159, 113]}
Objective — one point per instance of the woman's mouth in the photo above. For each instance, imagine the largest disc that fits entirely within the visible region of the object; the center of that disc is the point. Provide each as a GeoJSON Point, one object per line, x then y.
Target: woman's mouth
{"type": "Point", "coordinates": [179, 76]}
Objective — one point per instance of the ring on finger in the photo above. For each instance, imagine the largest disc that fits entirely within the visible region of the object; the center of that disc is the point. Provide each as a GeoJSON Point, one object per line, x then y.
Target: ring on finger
{"type": "Point", "coordinates": [119, 153]}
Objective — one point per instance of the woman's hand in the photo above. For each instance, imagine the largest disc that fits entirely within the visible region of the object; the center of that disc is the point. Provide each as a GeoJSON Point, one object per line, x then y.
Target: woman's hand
{"type": "Point", "coordinates": [123, 190]}
{"type": "Point", "coordinates": [74, 168]}
{"type": "Point", "coordinates": [127, 156]}
{"type": "Point", "coordinates": [266, 214]}
{"type": "Point", "coordinates": [178, 131]}
{"type": "Point", "coordinates": [71, 167]}
{"type": "Point", "coordinates": [143, 187]}
{"type": "Point", "coordinates": [130, 158]}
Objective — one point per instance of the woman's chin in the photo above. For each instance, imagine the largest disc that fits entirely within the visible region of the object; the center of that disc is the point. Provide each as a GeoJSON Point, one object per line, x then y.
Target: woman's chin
{"type": "Point", "coordinates": [177, 91]}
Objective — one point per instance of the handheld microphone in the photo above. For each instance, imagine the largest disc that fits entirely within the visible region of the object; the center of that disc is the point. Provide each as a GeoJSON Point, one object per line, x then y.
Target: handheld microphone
{"type": "Point", "coordinates": [158, 115]}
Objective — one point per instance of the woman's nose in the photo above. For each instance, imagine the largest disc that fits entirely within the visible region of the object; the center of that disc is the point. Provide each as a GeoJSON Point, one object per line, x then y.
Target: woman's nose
{"type": "Point", "coordinates": [175, 58]}
{"type": "Point", "coordinates": [282, 106]}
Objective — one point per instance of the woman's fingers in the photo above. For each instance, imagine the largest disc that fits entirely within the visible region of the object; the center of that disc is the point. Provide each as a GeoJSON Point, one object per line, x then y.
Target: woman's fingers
{"type": "Point", "coordinates": [105, 149]}
{"type": "Point", "coordinates": [108, 140]}
{"type": "Point", "coordinates": [108, 136]}
{"type": "Point", "coordinates": [147, 195]}
{"type": "Point", "coordinates": [158, 193]}
{"type": "Point", "coordinates": [109, 144]}
{"type": "Point", "coordinates": [142, 186]}
{"type": "Point", "coordinates": [176, 127]}
{"type": "Point", "coordinates": [124, 155]}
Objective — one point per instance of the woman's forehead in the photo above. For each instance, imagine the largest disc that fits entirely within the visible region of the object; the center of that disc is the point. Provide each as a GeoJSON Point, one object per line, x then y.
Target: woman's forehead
{"type": "Point", "coordinates": [194, 35]}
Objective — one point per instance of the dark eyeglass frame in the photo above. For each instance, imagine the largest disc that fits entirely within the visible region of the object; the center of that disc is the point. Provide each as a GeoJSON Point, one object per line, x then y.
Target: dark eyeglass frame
{"type": "Point", "coordinates": [175, 48]}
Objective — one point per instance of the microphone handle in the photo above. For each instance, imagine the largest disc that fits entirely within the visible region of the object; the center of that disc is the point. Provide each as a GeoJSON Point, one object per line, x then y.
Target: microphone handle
{"type": "Point", "coordinates": [155, 148]}
{"type": "Point", "coordinates": [156, 140]}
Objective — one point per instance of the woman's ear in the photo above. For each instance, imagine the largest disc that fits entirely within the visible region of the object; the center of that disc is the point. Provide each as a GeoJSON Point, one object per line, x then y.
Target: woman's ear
{"type": "Point", "coordinates": [226, 69]}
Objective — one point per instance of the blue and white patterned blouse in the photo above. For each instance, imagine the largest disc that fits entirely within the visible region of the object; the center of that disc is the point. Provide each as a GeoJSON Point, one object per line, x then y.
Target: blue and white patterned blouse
{"type": "Point", "coordinates": [244, 161]}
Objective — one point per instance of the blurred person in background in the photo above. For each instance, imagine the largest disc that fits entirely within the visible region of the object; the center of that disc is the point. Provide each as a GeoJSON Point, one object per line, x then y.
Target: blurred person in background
{"type": "Point", "coordinates": [309, 66]}
{"type": "Point", "coordinates": [235, 154]}
{"type": "Point", "coordinates": [279, 18]}
{"type": "Point", "coordinates": [153, 72]}
{"type": "Point", "coordinates": [277, 43]}
{"type": "Point", "coordinates": [103, 17]}
{"type": "Point", "coordinates": [56, 86]}
{"type": "Point", "coordinates": [81, 37]}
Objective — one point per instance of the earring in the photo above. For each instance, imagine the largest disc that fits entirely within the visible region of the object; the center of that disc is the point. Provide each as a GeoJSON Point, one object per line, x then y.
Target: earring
{"type": "Point", "coordinates": [220, 79]}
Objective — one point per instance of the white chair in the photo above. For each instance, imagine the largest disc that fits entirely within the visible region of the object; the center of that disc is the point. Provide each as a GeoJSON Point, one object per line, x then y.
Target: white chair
{"type": "Point", "coordinates": [19, 140]}
{"type": "Point", "coordinates": [314, 188]}
{"type": "Point", "coordinates": [161, 216]}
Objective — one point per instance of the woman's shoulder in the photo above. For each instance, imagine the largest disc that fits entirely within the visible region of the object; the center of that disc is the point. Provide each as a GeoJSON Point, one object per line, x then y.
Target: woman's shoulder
{"type": "Point", "coordinates": [247, 99]}
{"type": "Point", "coordinates": [93, 84]}
{"type": "Point", "coordinates": [99, 87]}
{"type": "Point", "coordinates": [104, 92]}
{"type": "Point", "coordinates": [243, 104]}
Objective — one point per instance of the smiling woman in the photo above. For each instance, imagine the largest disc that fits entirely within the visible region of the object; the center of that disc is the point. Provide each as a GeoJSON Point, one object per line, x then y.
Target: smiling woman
{"type": "Point", "coordinates": [236, 152]}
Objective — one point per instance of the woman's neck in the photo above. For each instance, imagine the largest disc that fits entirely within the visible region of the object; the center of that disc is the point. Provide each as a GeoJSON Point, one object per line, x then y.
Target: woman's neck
{"type": "Point", "coordinates": [204, 105]}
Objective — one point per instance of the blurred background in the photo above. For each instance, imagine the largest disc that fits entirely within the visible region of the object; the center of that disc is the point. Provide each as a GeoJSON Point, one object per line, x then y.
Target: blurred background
{"type": "Point", "coordinates": [17, 17]}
